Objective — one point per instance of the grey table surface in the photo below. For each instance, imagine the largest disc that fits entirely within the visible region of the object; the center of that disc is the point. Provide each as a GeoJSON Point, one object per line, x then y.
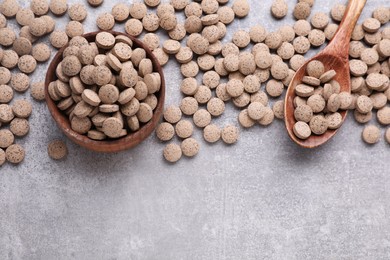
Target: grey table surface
{"type": "Point", "coordinates": [263, 198]}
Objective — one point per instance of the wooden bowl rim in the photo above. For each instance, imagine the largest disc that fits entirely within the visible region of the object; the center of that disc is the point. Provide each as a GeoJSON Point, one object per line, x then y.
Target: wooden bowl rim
{"type": "Point", "coordinates": [116, 145]}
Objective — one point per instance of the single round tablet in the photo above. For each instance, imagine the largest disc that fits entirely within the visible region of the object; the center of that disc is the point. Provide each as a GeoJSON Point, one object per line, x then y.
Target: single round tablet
{"type": "Point", "coordinates": [256, 110]}
{"type": "Point", "coordinates": [362, 118]}
{"type": "Point", "coordinates": [6, 113]}
{"type": "Point", "coordinates": [96, 135]}
{"type": "Point", "coordinates": [211, 133]}
{"type": "Point", "coordinates": [71, 66]}
{"type": "Point", "coordinates": [303, 90]}
{"type": "Point", "coordinates": [364, 104]}
{"type": "Point", "coordinates": [172, 114]}
{"type": "Point", "coordinates": [371, 134]}
{"type": "Point", "coordinates": [109, 94]}
{"type": "Point", "coordinates": [190, 147]}
{"type": "Point", "coordinates": [383, 115]}
{"type": "Point", "coordinates": [10, 59]}
{"type": "Point", "coordinates": [7, 36]}
{"type": "Point", "coordinates": [302, 130]}
{"type": "Point", "coordinates": [120, 12]}
{"type": "Point", "coordinates": [105, 21]}
{"type": "Point", "coordinates": [38, 27]}
{"type": "Point", "coordinates": [58, 7]}
{"type": "Point", "coordinates": [41, 52]}
{"type": "Point", "coordinates": [82, 109]}
{"type": "Point", "coordinates": [301, 10]}
{"type": "Point", "coordinates": [22, 108]}
{"type": "Point", "coordinates": [318, 124]}
{"type": "Point", "coordinates": [9, 8]}
{"type": "Point", "coordinates": [335, 120]}
{"type": "Point", "coordinates": [184, 129]}
{"type": "Point", "coordinates": [145, 113]}
{"type": "Point", "coordinates": [77, 12]}
{"type": "Point", "coordinates": [57, 149]}
{"type": "Point", "coordinates": [215, 106]}
{"type": "Point", "coordinates": [138, 10]}
{"type": "Point", "coordinates": [15, 153]}
{"type": "Point", "coordinates": [27, 64]}
{"type": "Point", "coordinates": [112, 127]}
{"type": "Point", "coordinates": [5, 75]}
{"type": "Point", "coordinates": [371, 25]}
{"type": "Point", "coordinates": [202, 118]}
{"type": "Point", "coordinates": [279, 9]}
{"type": "Point", "coordinates": [230, 134]}
{"type": "Point", "coordinates": [241, 8]}
{"type": "Point", "coordinates": [317, 103]}
{"type": "Point", "coordinates": [90, 97]}
{"type": "Point", "coordinates": [20, 82]}
{"type": "Point", "coordinates": [19, 127]}
{"type": "Point", "coordinates": [22, 46]}
{"type": "Point", "coordinates": [235, 87]}
{"type": "Point", "coordinates": [6, 94]}
{"type": "Point", "coordinates": [6, 138]}
{"type": "Point", "coordinates": [105, 40]}
{"type": "Point", "coordinates": [165, 131]}
{"type": "Point", "coordinates": [315, 69]}
{"type": "Point", "coordinates": [189, 106]}
{"type": "Point", "coordinates": [327, 76]}
{"type": "Point", "coordinates": [303, 113]}
{"type": "Point", "coordinates": [128, 109]}
{"type": "Point", "coordinates": [172, 153]}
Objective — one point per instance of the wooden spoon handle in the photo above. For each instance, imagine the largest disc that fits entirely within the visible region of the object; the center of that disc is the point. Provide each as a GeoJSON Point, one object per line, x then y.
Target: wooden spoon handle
{"type": "Point", "coordinates": [340, 42]}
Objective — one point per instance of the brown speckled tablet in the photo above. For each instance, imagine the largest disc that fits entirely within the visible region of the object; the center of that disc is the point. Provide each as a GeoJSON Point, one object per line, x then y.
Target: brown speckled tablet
{"type": "Point", "coordinates": [105, 40]}
{"type": "Point", "coordinates": [371, 134]}
{"type": "Point", "coordinates": [22, 108]}
{"type": "Point", "coordinates": [6, 138]}
{"type": "Point", "coordinates": [189, 106]}
{"type": "Point", "coordinates": [230, 134]}
{"type": "Point", "coordinates": [190, 147]}
{"type": "Point", "coordinates": [112, 127]}
{"type": "Point", "coordinates": [57, 149]}
{"type": "Point", "coordinates": [184, 129]}
{"type": "Point", "coordinates": [6, 94]}
{"type": "Point", "coordinates": [172, 153]}
{"type": "Point", "coordinates": [165, 131]}
{"type": "Point", "coordinates": [15, 154]}
{"type": "Point", "coordinates": [318, 124]}
{"type": "Point", "coordinates": [302, 130]}
{"type": "Point", "coordinates": [202, 118]}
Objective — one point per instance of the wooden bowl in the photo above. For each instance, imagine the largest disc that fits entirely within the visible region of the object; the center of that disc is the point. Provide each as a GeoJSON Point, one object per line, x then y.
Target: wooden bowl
{"type": "Point", "coordinates": [114, 145]}
{"type": "Point", "coordinates": [342, 77]}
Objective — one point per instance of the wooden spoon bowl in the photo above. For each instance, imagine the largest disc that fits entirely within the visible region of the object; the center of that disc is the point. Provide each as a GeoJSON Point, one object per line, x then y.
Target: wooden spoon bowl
{"type": "Point", "coordinates": [342, 76]}
{"type": "Point", "coordinates": [334, 56]}
{"type": "Point", "coordinates": [114, 145]}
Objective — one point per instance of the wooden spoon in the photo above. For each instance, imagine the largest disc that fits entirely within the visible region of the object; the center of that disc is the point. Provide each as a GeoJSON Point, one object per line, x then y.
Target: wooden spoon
{"type": "Point", "coordinates": [106, 146]}
{"type": "Point", "coordinates": [334, 56]}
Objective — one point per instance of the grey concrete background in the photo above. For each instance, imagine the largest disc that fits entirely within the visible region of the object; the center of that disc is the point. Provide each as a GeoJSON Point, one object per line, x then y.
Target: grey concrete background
{"type": "Point", "coordinates": [263, 198]}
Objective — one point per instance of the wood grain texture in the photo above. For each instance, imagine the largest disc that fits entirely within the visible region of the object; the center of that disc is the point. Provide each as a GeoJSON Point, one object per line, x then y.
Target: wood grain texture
{"type": "Point", "coordinates": [108, 146]}
{"type": "Point", "coordinates": [334, 56]}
